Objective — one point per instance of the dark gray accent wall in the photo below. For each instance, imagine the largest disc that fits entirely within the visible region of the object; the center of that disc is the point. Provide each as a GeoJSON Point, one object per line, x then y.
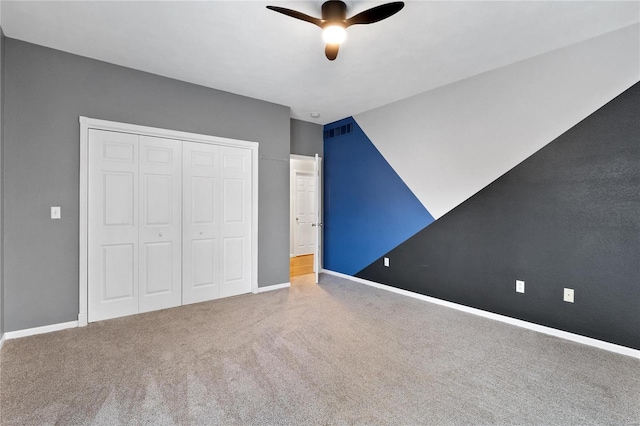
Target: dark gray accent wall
{"type": "Point", "coordinates": [306, 138]}
{"type": "Point", "coordinates": [568, 216]}
{"type": "Point", "coordinates": [45, 93]}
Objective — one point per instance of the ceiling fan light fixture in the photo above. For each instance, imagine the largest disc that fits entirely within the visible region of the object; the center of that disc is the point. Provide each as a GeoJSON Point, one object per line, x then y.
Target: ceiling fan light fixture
{"type": "Point", "coordinates": [334, 34]}
{"type": "Point", "coordinates": [334, 20]}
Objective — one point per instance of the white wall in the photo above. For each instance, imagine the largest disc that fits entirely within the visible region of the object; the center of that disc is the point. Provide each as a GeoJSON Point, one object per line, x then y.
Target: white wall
{"type": "Point", "coordinates": [450, 142]}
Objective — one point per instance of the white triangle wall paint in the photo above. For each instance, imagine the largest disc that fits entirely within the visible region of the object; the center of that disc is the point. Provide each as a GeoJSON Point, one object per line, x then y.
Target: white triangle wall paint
{"type": "Point", "coordinates": [449, 143]}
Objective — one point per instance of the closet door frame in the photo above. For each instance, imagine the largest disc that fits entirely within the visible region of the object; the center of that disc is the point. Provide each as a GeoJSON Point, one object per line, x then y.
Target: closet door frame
{"type": "Point", "coordinates": [92, 123]}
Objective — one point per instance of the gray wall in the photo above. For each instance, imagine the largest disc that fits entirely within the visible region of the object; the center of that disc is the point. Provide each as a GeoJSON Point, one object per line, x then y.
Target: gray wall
{"type": "Point", "coordinates": [45, 93]}
{"type": "Point", "coordinates": [306, 138]}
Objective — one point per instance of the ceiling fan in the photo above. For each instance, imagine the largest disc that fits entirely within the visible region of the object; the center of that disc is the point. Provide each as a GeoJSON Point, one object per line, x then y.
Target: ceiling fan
{"type": "Point", "coordinates": [334, 20]}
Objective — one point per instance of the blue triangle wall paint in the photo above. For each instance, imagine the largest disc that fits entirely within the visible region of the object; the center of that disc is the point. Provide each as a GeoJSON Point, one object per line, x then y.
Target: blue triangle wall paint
{"type": "Point", "coordinates": [368, 209]}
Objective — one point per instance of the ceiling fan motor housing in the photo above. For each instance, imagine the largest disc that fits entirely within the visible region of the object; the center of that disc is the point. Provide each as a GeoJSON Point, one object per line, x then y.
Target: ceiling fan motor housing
{"type": "Point", "coordinates": [334, 11]}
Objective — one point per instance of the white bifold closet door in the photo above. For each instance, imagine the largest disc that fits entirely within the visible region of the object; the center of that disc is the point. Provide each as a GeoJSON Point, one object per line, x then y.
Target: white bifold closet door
{"type": "Point", "coordinates": [113, 225]}
{"type": "Point", "coordinates": [235, 228]}
{"type": "Point", "coordinates": [217, 222]}
{"type": "Point", "coordinates": [135, 224]}
{"type": "Point", "coordinates": [160, 232]}
{"type": "Point", "coordinates": [169, 223]}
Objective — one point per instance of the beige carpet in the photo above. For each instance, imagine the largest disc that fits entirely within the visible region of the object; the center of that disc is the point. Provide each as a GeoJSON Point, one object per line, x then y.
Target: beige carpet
{"type": "Point", "coordinates": [336, 353]}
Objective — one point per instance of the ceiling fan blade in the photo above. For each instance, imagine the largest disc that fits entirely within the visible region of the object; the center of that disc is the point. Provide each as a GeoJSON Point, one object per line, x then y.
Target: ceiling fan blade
{"type": "Point", "coordinates": [376, 14]}
{"type": "Point", "coordinates": [331, 50]}
{"type": "Point", "coordinates": [297, 15]}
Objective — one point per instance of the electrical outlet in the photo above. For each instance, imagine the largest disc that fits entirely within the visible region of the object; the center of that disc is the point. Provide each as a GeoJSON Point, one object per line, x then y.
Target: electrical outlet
{"type": "Point", "coordinates": [568, 295]}
{"type": "Point", "coordinates": [519, 286]}
{"type": "Point", "coordinates": [386, 262]}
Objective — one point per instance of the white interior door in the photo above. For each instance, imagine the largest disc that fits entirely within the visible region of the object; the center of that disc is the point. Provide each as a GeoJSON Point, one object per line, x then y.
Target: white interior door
{"type": "Point", "coordinates": [236, 221]}
{"type": "Point", "coordinates": [305, 213]}
{"type": "Point", "coordinates": [201, 222]}
{"type": "Point", "coordinates": [160, 229]}
{"type": "Point", "coordinates": [317, 255]}
{"type": "Point", "coordinates": [112, 225]}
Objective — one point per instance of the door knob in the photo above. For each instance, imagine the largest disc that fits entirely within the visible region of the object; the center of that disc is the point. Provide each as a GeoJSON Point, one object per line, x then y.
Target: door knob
{"type": "Point", "coordinates": [160, 234]}
{"type": "Point", "coordinates": [201, 232]}
{"type": "Point", "coordinates": [313, 224]}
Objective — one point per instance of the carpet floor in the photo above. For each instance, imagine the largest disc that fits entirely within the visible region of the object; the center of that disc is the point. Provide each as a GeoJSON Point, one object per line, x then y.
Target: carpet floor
{"type": "Point", "coordinates": [335, 353]}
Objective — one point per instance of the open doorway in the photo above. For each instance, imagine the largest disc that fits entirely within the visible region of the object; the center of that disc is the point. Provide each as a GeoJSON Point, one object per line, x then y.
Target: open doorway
{"type": "Point", "coordinates": [305, 215]}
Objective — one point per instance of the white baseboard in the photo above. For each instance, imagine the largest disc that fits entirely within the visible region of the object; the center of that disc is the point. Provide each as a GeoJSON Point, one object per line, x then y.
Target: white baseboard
{"type": "Point", "coordinates": [40, 330]}
{"type": "Point", "coordinates": [273, 287]}
{"type": "Point", "coordinates": [2, 338]}
{"type": "Point", "coordinates": [611, 347]}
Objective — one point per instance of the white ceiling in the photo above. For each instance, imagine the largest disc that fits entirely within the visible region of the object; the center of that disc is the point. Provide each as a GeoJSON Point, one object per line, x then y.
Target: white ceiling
{"type": "Point", "coordinates": [241, 47]}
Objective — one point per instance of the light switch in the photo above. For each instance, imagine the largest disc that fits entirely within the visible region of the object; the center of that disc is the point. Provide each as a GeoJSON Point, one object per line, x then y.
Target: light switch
{"type": "Point", "coordinates": [55, 212]}
{"type": "Point", "coordinates": [386, 262]}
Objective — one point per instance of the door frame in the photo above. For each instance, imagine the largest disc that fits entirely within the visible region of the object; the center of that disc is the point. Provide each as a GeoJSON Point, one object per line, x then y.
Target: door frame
{"type": "Point", "coordinates": [320, 195]}
{"type": "Point", "coordinates": [87, 123]}
{"type": "Point", "coordinates": [317, 255]}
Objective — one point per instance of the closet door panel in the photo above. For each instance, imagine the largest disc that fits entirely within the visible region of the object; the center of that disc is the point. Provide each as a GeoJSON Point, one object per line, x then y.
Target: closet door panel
{"type": "Point", "coordinates": [201, 225]}
{"type": "Point", "coordinates": [204, 269]}
{"type": "Point", "coordinates": [112, 226]}
{"type": "Point", "coordinates": [160, 223]}
{"type": "Point", "coordinates": [236, 221]}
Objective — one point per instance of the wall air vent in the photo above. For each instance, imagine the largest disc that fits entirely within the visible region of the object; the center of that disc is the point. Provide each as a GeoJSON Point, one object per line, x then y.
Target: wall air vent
{"type": "Point", "coordinates": [338, 131]}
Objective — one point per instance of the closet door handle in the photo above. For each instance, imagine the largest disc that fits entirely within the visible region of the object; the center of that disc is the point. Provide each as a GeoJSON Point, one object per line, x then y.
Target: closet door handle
{"type": "Point", "coordinates": [201, 232]}
{"type": "Point", "coordinates": [160, 234]}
